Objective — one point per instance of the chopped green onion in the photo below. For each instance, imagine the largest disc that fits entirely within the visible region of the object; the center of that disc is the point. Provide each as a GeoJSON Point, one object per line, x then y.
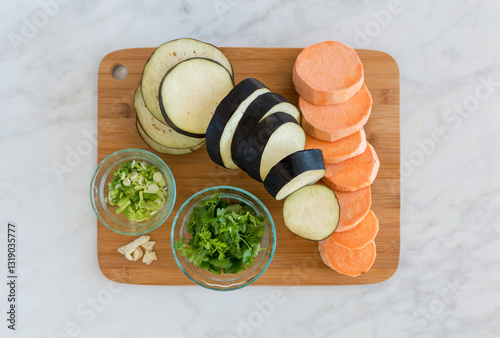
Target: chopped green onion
{"type": "Point", "coordinates": [153, 189]}
{"type": "Point", "coordinates": [135, 190]}
{"type": "Point", "coordinates": [157, 177]}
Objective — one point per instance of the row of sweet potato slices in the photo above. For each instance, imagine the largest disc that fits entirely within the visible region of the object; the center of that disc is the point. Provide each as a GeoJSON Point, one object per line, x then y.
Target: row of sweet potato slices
{"type": "Point", "coordinates": [335, 105]}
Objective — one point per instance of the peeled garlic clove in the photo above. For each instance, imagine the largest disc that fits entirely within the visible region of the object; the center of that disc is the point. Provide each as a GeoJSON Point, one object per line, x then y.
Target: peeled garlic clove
{"type": "Point", "coordinates": [137, 254]}
{"type": "Point", "coordinates": [149, 245]}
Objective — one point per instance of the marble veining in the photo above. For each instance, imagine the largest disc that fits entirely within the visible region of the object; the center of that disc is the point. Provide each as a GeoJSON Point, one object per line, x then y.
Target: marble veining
{"type": "Point", "coordinates": [447, 281]}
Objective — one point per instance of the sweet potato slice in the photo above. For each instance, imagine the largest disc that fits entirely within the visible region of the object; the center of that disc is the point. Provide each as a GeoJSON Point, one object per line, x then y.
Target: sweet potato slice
{"type": "Point", "coordinates": [353, 174]}
{"type": "Point", "coordinates": [331, 123]}
{"type": "Point", "coordinates": [360, 235]}
{"type": "Point", "coordinates": [350, 262]}
{"type": "Point", "coordinates": [354, 206]}
{"type": "Point", "coordinates": [340, 150]}
{"type": "Point", "coordinates": [327, 73]}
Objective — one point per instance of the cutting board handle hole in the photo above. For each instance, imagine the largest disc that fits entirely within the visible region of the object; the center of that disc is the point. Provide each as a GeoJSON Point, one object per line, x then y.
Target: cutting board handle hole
{"type": "Point", "coordinates": [119, 72]}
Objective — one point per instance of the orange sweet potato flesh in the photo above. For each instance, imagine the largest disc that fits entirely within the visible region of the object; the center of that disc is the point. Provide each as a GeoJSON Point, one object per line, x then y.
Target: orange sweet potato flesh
{"type": "Point", "coordinates": [350, 262]}
{"type": "Point", "coordinates": [340, 150]}
{"type": "Point", "coordinates": [360, 235]}
{"type": "Point", "coordinates": [353, 174]}
{"type": "Point", "coordinates": [328, 73]}
{"type": "Point", "coordinates": [354, 206]}
{"type": "Point", "coordinates": [334, 122]}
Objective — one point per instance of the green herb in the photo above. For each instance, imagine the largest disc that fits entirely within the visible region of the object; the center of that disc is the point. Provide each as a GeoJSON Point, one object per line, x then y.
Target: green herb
{"type": "Point", "coordinates": [225, 238]}
{"type": "Point", "coordinates": [138, 190]}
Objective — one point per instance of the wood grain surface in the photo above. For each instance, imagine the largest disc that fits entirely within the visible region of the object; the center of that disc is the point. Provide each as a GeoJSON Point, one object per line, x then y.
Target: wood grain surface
{"type": "Point", "coordinates": [296, 261]}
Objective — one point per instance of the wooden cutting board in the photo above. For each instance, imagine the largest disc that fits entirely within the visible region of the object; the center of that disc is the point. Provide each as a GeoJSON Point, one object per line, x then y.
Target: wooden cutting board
{"type": "Point", "coordinates": [296, 261]}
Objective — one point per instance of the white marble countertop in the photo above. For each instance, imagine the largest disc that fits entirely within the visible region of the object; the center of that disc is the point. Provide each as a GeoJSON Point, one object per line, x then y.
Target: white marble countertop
{"type": "Point", "coordinates": [447, 283]}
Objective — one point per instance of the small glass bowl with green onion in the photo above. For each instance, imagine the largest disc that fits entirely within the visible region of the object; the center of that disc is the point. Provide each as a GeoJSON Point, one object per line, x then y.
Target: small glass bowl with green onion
{"type": "Point", "coordinates": [132, 192]}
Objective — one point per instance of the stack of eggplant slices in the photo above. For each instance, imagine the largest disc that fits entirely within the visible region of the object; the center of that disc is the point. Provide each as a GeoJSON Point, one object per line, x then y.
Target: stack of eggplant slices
{"type": "Point", "coordinates": [187, 97]}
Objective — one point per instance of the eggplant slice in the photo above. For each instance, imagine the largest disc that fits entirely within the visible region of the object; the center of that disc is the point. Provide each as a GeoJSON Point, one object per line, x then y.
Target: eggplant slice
{"type": "Point", "coordinates": [164, 149]}
{"type": "Point", "coordinates": [168, 55]}
{"type": "Point", "coordinates": [227, 115]}
{"type": "Point", "coordinates": [159, 132]}
{"type": "Point", "coordinates": [295, 171]}
{"type": "Point", "coordinates": [312, 212]}
{"type": "Point", "coordinates": [190, 92]}
{"type": "Point", "coordinates": [263, 106]}
{"type": "Point", "coordinates": [274, 138]}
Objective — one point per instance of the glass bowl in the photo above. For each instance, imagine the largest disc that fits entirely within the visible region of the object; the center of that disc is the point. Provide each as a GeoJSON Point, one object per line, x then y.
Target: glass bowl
{"type": "Point", "coordinates": [224, 282]}
{"type": "Point", "coordinates": [99, 188]}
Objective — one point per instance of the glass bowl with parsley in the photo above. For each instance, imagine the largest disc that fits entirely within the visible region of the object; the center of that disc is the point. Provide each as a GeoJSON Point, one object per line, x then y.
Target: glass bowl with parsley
{"type": "Point", "coordinates": [223, 238]}
{"type": "Point", "coordinates": [132, 192]}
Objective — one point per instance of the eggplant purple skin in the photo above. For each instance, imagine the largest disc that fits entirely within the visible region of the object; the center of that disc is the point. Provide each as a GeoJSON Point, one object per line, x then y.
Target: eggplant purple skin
{"type": "Point", "coordinates": [162, 109]}
{"type": "Point", "coordinates": [292, 166]}
{"type": "Point", "coordinates": [257, 141]}
{"type": "Point", "coordinates": [223, 113]}
{"type": "Point", "coordinates": [253, 114]}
